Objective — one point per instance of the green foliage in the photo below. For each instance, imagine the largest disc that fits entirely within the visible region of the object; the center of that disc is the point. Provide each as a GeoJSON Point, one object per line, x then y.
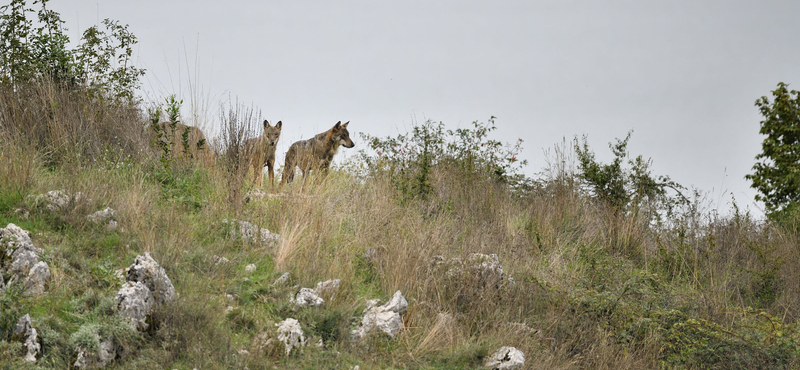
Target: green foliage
{"type": "Point", "coordinates": [184, 186]}
{"type": "Point", "coordinates": [764, 344]}
{"type": "Point", "coordinates": [165, 132]}
{"type": "Point", "coordinates": [30, 51]}
{"type": "Point", "coordinates": [103, 58]}
{"type": "Point", "coordinates": [776, 174]}
{"type": "Point", "coordinates": [410, 159]}
{"type": "Point", "coordinates": [626, 188]}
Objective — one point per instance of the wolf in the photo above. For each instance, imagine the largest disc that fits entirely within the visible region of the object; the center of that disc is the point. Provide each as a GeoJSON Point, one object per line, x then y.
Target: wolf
{"type": "Point", "coordinates": [262, 152]}
{"type": "Point", "coordinates": [316, 153]}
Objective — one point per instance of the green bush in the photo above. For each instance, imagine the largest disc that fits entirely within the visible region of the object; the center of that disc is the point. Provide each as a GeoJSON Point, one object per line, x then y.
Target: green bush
{"type": "Point", "coordinates": [410, 160]}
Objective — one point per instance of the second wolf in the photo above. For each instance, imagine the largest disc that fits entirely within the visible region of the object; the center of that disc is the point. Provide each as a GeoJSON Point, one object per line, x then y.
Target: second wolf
{"type": "Point", "coordinates": [262, 152]}
{"type": "Point", "coordinates": [316, 153]}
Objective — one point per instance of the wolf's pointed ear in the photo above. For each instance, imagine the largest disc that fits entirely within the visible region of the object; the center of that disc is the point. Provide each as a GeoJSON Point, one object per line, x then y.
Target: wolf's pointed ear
{"type": "Point", "coordinates": [279, 124]}
{"type": "Point", "coordinates": [338, 125]}
{"type": "Point", "coordinates": [266, 124]}
{"type": "Point", "coordinates": [345, 124]}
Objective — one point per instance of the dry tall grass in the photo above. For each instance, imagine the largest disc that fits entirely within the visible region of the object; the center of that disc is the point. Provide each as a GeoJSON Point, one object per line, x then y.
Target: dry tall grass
{"type": "Point", "coordinates": [592, 287]}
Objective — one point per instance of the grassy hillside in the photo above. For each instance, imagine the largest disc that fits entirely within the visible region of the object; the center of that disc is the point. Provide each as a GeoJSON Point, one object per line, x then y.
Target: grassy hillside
{"type": "Point", "coordinates": [593, 285]}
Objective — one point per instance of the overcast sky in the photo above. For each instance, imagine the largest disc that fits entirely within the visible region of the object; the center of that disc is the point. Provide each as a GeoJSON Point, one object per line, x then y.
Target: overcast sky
{"type": "Point", "coordinates": [683, 75]}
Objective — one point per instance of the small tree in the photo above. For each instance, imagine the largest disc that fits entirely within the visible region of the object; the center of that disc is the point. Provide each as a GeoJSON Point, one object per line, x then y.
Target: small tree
{"type": "Point", "coordinates": [626, 189]}
{"type": "Point", "coordinates": [776, 174]}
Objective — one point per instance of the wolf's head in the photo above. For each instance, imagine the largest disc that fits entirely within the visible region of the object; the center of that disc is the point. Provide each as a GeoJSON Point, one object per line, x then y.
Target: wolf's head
{"type": "Point", "coordinates": [272, 133]}
{"type": "Point", "coordinates": [341, 136]}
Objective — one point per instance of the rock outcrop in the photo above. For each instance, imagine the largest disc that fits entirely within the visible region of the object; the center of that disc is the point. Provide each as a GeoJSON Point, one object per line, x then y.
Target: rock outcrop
{"type": "Point", "coordinates": [146, 270]}
{"type": "Point", "coordinates": [135, 302]}
{"type": "Point", "coordinates": [306, 297]}
{"type": "Point", "coordinates": [106, 353]}
{"type": "Point", "coordinates": [290, 334]}
{"type": "Point", "coordinates": [328, 287]}
{"type": "Point", "coordinates": [250, 233]}
{"type": "Point", "coordinates": [107, 217]}
{"type": "Point", "coordinates": [25, 333]}
{"type": "Point", "coordinates": [147, 286]}
{"type": "Point", "coordinates": [484, 269]}
{"type": "Point", "coordinates": [57, 200]}
{"type": "Point", "coordinates": [506, 358]}
{"type": "Point", "coordinates": [20, 261]}
{"type": "Point", "coordinates": [387, 317]}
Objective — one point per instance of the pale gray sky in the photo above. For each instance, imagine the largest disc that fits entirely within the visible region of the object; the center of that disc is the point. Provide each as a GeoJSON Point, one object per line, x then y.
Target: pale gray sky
{"type": "Point", "coordinates": [682, 74]}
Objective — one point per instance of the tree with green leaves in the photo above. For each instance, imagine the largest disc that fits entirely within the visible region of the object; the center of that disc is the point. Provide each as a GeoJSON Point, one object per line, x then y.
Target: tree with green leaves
{"type": "Point", "coordinates": [622, 188]}
{"type": "Point", "coordinates": [34, 50]}
{"type": "Point", "coordinates": [776, 174]}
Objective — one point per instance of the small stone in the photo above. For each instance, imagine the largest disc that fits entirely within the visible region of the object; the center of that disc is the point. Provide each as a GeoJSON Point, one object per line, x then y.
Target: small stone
{"type": "Point", "coordinates": [506, 358]}
{"type": "Point", "coordinates": [386, 317]}
{"type": "Point", "coordinates": [250, 233]}
{"type": "Point", "coordinates": [281, 279]}
{"type": "Point", "coordinates": [327, 287]}
{"type": "Point", "coordinates": [250, 268]}
{"type": "Point", "coordinates": [219, 260]}
{"type": "Point", "coordinates": [307, 298]}
{"type": "Point", "coordinates": [104, 216]}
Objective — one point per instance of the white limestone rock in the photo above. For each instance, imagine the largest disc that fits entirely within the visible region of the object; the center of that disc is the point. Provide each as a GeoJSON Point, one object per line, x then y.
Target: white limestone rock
{"type": "Point", "coordinates": [290, 334]}
{"type": "Point", "coordinates": [22, 260]}
{"type": "Point", "coordinates": [53, 200]}
{"type": "Point", "coordinates": [105, 354]}
{"type": "Point", "coordinates": [135, 302]}
{"type": "Point", "coordinates": [307, 298]}
{"type": "Point", "coordinates": [27, 334]}
{"type": "Point", "coordinates": [13, 237]}
{"type": "Point", "coordinates": [108, 216]}
{"type": "Point", "coordinates": [146, 270]}
{"type": "Point", "coordinates": [386, 318]}
{"type": "Point", "coordinates": [37, 278]}
{"type": "Point", "coordinates": [251, 233]}
{"type": "Point", "coordinates": [250, 268]}
{"type": "Point", "coordinates": [281, 279]}
{"type": "Point", "coordinates": [506, 358]}
{"type": "Point", "coordinates": [487, 266]}
{"type": "Point", "coordinates": [220, 260]}
{"type": "Point", "coordinates": [328, 287]}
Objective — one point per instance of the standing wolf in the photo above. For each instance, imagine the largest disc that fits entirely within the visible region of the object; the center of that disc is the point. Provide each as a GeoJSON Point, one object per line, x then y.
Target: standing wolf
{"type": "Point", "coordinates": [316, 153]}
{"type": "Point", "coordinates": [262, 152]}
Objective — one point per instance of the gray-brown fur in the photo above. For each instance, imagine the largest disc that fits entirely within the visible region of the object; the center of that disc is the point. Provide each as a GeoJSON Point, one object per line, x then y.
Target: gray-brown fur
{"type": "Point", "coordinates": [317, 152]}
{"type": "Point", "coordinates": [262, 152]}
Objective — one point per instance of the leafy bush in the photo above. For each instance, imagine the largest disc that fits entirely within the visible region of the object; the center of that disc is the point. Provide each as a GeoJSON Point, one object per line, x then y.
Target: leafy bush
{"type": "Point", "coordinates": [622, 188]}
{"type": "Point", "coordinates": [410, 160]}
